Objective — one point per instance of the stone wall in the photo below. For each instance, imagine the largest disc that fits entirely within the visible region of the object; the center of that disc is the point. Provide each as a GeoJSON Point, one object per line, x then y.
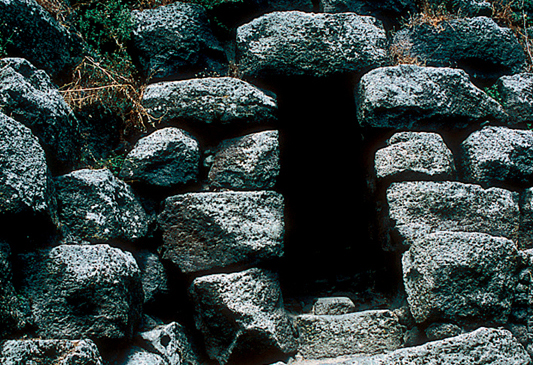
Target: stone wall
{"type": "Point", "coordinates": [362, 192]}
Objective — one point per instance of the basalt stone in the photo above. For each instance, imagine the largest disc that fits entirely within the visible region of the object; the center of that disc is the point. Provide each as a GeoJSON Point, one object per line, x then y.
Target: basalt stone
{"type": "Point", "coordinates": [481, 347]}
{"type": "Point", "coordinates": [176, 41]}
{"type": "Point", "coordinates": [420, 207]}
{"type": "Point", "coordinates": [414, 156]}
{"type": "Point", "coordinates": [362, 333]}
{"type": "Point", "coordinates": [35, 35]}
{"type": "Point", "coordinates": [478, 45]}
{"type": "Point", "coordinates": [410, 97]}
{"type": "Point", "coordinates": [526, 219]}
{"type": "Point", "coordinates": [14, 310]}
{"type": "Point", "coordinates": [25, 182]}
{"type": "Point", "coordinates": [29, 96]}
{"type": "Point", "coordinates": [250, 162]}
{"type": "Point", "coordinates": [79, 291]}
{"type": "Point", "coordinates": [516, 96]}
{"type": "Point", "coordinates": [153, 275]}
{"type": "Point", "coordinates": [171, 342]}
{"type": "Point", "coordinates": [139, 356]}
{"type": "Point", "coordinates": [302, 44]}
{"type": "Point", "coordinates": [333, 306]}
{"type": "Point", "coordinates": [440, 331]}
{"type": "Point", "coordinates": [466, 8]}
{"type": "Point", "coordinates": [50, 352]}
{"type": "Point", "coordinates": [461, 276]}
{"type": "Point", "coordinates": [166, 157]}
{"type": "Point", "coordinates": [203, 231]}
{"type": "Point", "coordinates": [221, 100]}
{"type": "Point", "coordinates": [241, 317]}
{"type": "Point", "coordinates": [498, 156]}
{"type": "Point", "coordinates": [95, 206]}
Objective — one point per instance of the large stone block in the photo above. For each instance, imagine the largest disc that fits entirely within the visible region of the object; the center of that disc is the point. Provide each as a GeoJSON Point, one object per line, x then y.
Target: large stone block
{"type": "Point", "coordinates": [203, 231]}
{"type": "Point", "coordinates": [241, 317]}
{"type": "Point", "coordinates": [416, 98]}
{"type": "Point", "coordinates": [79, 291]}
{"type": "Point", "coordinates": [166, 157]}
{"type": "Point", "coordinates": [420, 207]}
{"type": "Point", "coordinates": [221, 100]}
{"type": "Point", "coordinates": [498, 156]}
{"type": "Point", "coordinates": [303, 44]}
{"type": "Point", "coordinates": [176, 41]}
{"type": "Point", "coordinates": [250, 162]}
{"type": "Point", "coordinates": [478, 45]}
{"type": "Point", "coordinates": [414, 156]}
{"type": "Point", "coordinates": [37, 36]}
{"type": "Point", "coordinates": [360, 333]}
{"type": "Point", "coordinates": [95, 206]}
{"type": "Point", "coordinates": [29, 96]}
{"type": "Point", "coordinates": [461, 276]}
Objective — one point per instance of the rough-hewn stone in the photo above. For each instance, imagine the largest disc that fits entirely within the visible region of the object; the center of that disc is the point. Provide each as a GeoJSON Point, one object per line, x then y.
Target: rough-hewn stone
{"type": "Point", "coordinates": [241, 316]}
{"type": "Point", "coordinates": [498, 156]}
{"type": "Point", "coordinates": [79, 291]}
{"type": "Point", "coordinates": [411, 97]}
{"type": "Point", "coordinates": [250, 162]}
{"type": "Point", "coordinates": [420, 207]}
{"type": "Point", "coordinates": [25, 182]}
{"type": "Point", "coordinates": [29, 96]}
{"type": "Point", "coordinates": [363, 333]}
{"type": "Point", "coordinates": [460, 276]}
{"type": "Point", "coordinates": [516, 95]}
{"type": "Point", "coordinates": [221, 100]}
{"type": "Point", "coordinates": [333, 306]}
{"type": "Point", "coordinates": [166, 157]}
{"type": "Point", "coordinates": [414, 156]}
{"type": "Point", "coordinates": [50, 352]}
{"type": "Point", "coordinates": [176, 41]}
{"type": "Point", "coordinates": [95, 206]}
{"type": "Point", "coordinates": [478, 45]}
{"type": "Point", "coordinates": [296, 43]}
{"type": "Point", "coordinates": [35, 35]}
{"type": "Point", "coordinates": [203, 231]}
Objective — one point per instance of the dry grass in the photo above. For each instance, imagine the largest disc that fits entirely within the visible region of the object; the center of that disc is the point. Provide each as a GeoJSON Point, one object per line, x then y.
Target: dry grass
{"type": "Point", "coordinates": [95, 84]}
{"type": "Point", "coordinates": [432, 15]}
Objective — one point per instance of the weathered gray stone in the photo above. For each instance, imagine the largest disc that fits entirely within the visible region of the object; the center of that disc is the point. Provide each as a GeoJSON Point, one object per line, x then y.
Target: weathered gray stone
{"type": "Point", "coordinates": [363, 333]}
{"type": "Point", "coordinates": [202, 231]}
{"type": "Point", "coordinates": [138, 356]}
{"type": "Point", "coordinates": [28, 96]}
{"type": "Point", "coordinates": [14, 311]}
{"type": "Point", "coordinates": [241, 316]}
{"type": "Point", "coordinates": [414, 156]}
{"type": "Point", "coordinates": [172, 343]}
{"type": "Point", "coordinates": [525, 239]}
{"type": "Point", "coordinates": [153, 275]}
{"type": "Point", "coordinates": [250, 162]}
{"type": "Point", "coordinates": [440, 331]}
{"type": "Point", "coordinates": [79, 291]}
{"type": "Point", "coordinates": [56, 352]}
{"type": "Point", "coordinates": [478, 45]}
{"type": "Point", "coordinates": [175, 41]}
{"type": "Point", "coordinates": [461, 276]}
{"type": "Point", "coordinates": [498, 156]}
{"type": "Point", "coordinates": [25, 182]}
{"type": "Point", "coordinates": [296, 43]}
{"type": "Point", "coordinates": [410, 97]}
{"type": "Point", "coordinates": [333, 306]}
{"type": "Point", "coordinates": [166, 157]}
{"type": "Point", "coordinates": [417, 208]}
{"type": "Point", "coordinates": [481, 347]}
{"type": "Point", "coordinates": [95, 206]}
{"type": "Point", "coordinates": [37, 36]}
{"type": "Point", "coordinates": [516, 96]}
{"type": "Point", "coordinates": [210, 100]}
